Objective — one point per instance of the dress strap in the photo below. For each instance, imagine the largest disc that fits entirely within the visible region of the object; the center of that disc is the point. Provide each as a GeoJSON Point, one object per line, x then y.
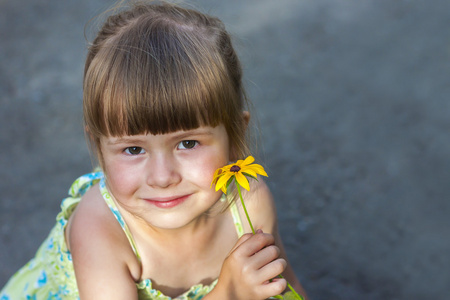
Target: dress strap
{"type": "Point", "coordinates": [83, 183]}
{"type": "Point", "coordinates": [113, 207]}
{"type": "Point", "coordinates": [237, 219]}
{"type": "Point", "coordinates": [76, 191]}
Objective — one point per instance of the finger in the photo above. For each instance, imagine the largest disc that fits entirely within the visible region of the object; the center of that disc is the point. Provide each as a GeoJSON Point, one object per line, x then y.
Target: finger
{"type": "Point", "coordinates": [275, 287]}
{"type": "Point", "coordinates": [271, 270]}
{"type": "Point", "coordinates": [265, 256]}
{"type": "Point", "coordinates": [271, 288]}
{"type": "Point", "coordinates": [257, 242]}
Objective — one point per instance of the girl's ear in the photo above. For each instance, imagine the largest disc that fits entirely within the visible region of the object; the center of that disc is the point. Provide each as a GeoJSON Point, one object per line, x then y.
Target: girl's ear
{"type": "Point", "coordinates": [246, 116]}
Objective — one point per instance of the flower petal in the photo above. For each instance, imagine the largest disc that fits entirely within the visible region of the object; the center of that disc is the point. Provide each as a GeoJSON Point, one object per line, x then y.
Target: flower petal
{"type": "Point", "coordinates": [242, 180]}
{"type": "Point", "coordinates": [218, 173]}
{"type": "Point", "coordinates": [224, 189]}
{"type": "Point", "coordinates": [238, 163]}
{"type": "Point", "coordinates": [249, 171]}
{"type": "Point", "coordinates": [258, 169]}
{"type": "Point", "coordinates": [226, 168]}
{"type": "Point", "coordinates": [223, 180]}
{"type": "Point", "coordinates": [249, 160]}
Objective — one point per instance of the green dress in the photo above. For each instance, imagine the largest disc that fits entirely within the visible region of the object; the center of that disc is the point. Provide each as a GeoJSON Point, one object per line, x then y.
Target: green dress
{"type": "Point", "coordinates": [50, 274]}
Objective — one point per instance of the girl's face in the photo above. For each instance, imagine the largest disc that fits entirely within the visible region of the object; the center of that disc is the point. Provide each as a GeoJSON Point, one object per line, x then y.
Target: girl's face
{"type": "Point", "coordinates": [165, 179]}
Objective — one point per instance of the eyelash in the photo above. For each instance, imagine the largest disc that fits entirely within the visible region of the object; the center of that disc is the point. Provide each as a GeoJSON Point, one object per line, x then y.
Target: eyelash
{"type": "Point", "coordinates": [127, 150]}
{"type": "Point", "coordinates": [140, 150]}
{"type": "Point", "coordinates": [190, 141]}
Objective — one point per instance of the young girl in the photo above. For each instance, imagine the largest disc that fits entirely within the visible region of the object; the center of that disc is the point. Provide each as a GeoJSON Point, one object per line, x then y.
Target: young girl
{"type": "Point", "coordinates": [163, 108]}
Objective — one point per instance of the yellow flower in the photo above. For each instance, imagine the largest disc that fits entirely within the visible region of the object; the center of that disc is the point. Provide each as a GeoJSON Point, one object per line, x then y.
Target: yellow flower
{"type": "Point", "coordinates": [239, 170]}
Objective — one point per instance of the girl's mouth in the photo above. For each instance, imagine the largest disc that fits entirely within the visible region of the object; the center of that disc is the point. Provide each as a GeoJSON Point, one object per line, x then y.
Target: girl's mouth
{"type": "Point", "coordinates": [167, 202]}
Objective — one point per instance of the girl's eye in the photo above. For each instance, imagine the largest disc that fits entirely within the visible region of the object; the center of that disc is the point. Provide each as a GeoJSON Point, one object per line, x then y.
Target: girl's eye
{"type": "Point", "coordinates": [188, 144]}
{"type": "Point", "coordinates": [134, 150]}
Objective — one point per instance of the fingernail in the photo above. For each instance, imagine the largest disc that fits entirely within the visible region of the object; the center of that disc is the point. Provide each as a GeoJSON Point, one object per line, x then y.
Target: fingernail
{"type": "Point", "coordinates": [259, 231]}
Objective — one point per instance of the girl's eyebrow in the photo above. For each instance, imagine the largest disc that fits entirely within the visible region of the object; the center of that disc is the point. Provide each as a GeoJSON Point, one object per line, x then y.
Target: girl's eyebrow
{"type": "Point", "coordinates": [193, 132]}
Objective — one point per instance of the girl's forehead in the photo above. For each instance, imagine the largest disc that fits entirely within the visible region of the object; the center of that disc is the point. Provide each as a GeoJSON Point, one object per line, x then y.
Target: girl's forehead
{"type": "Point", "coordinates": [201, 131]}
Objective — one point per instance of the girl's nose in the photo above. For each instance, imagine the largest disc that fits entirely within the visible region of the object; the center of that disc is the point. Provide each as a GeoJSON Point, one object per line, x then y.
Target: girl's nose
{"type": "Point", "coordinates": [162, 171]}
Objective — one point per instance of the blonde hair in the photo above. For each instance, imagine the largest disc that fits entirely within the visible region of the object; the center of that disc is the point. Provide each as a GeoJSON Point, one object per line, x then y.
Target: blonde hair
{"type": "Point", "coordinates": [159, 68]}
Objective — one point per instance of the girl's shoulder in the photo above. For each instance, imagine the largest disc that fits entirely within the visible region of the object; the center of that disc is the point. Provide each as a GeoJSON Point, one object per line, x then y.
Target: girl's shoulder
{"type": "Point", "coordinates": [260, 206]}
{"type": "Point", "coordinates": [96, 239]}
{"type": "Point", "coordinates": [90, 217]}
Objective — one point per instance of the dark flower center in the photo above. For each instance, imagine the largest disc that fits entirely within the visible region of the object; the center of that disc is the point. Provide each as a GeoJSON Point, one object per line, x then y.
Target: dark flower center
{"type": "Point", "coordinates": [235, 169]}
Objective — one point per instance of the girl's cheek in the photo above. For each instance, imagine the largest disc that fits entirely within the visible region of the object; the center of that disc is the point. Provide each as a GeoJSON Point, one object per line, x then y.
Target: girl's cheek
{"type": "Point", "coordinates": [118, 174]}
{"type": "Point", "coordinates": [212, 164]}
{"type": "Point", "coordinates": [201, 168]}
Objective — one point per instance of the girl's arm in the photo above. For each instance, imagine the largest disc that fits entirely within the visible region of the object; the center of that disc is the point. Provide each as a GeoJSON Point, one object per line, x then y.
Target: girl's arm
{"type": "Point", "coordinates": [262, 211]}
{"type": "Point", "coordinates": [250, 271]}
{"type": "Point", "coordinates": [100, 251]}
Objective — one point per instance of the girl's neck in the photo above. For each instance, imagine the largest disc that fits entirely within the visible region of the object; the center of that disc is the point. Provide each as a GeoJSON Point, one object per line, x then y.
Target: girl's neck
{"type": "Point", "coordinates": [204, 227]}
{"type": "Point", "coordinates": [201, 230]}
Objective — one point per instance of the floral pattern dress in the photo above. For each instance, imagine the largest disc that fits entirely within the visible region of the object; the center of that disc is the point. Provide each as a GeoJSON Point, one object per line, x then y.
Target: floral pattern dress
{"type": "Point", "coordinates": [50, 274]}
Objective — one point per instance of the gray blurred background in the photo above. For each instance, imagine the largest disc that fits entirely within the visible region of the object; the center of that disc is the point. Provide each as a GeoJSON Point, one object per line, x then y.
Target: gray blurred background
{"type": "Point", "coordinates": [352, 103]}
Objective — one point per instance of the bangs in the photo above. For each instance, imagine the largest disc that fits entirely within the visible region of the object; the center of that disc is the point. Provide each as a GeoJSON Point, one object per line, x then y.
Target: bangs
{"type": "Point", "coordinates": [154, 79]}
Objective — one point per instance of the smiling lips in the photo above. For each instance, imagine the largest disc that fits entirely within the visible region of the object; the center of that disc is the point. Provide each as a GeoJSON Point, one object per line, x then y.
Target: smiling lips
{"type": "Point", "coordinates": [167, 202]}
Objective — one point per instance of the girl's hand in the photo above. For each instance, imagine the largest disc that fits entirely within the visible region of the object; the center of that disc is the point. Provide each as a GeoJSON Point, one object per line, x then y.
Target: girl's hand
{"type": "Point", "coordinates": [250, 270]}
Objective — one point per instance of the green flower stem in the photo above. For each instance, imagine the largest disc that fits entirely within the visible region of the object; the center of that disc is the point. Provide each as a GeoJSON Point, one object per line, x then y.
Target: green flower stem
{"type": "Point", "coordinates": [243, 205]}
{"type": "Point", "coordinates": [253, 230]}
{"type": "Point", "coordinates": [292, 289]}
